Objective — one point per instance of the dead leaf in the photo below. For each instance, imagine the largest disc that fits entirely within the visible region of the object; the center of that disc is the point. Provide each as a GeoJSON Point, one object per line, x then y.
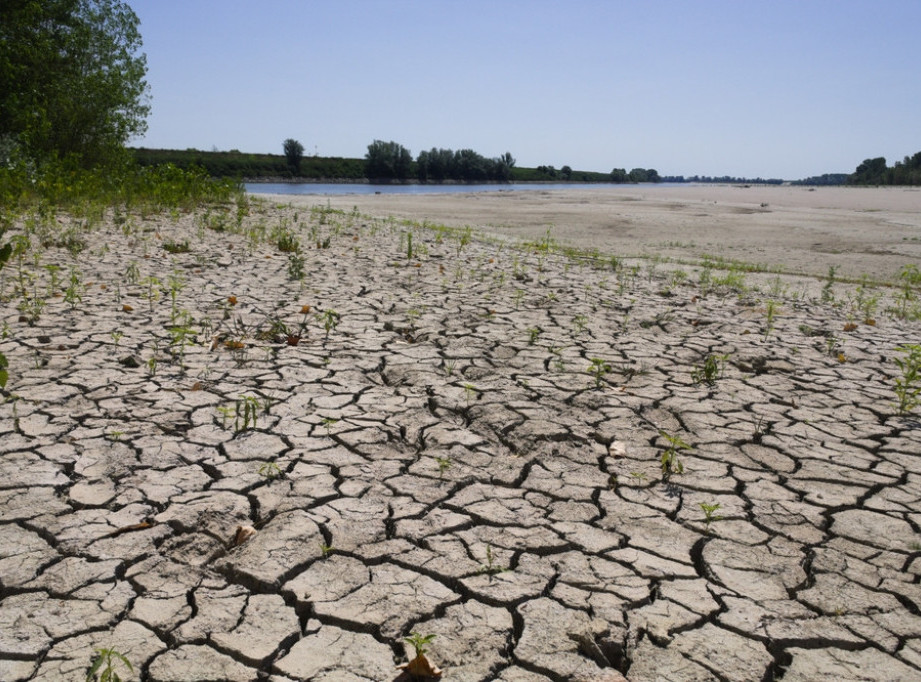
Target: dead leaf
{"type": "Point", "coordinates": [242, 534]}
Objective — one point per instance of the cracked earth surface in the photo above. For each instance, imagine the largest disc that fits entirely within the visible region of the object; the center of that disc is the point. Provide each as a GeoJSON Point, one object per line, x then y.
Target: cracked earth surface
{"type": "Point", "coordinates": [442, 461]}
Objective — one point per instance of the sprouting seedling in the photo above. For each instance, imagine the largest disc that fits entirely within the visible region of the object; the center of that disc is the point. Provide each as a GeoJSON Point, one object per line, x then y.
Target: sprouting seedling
{"type": "Point", "coordinates": [269, 470]}
{"type": "Point", "coordinates": [469, 393]}
{"type": "Point", "coordinates": [670, 462]}
{"type": "Point", "coordinates": [908, 386]}
{"type": "Point", "coordinates": [329, 318]}
{"type": "Point", "coordinates": [73, 294]}
{"type": "Point", "coordinates": [770, 313]}
{"type": "Point", "coordinates": [327, 422]}
{"type": "Point", "coordinates": [326, 550]}
{"type": "Point", "coordinates": [133, 273]}
{"type": "Point", "coordinates": [598, 369]}
{"type": "Point", "coordinates": [116, 336]}
{"type": "Point", "coordinates": [449, 366]}
{"type": "Point", "coordinates": [444, 463]}
{"type": "Point", "coordinates": [533, 333]}
{"type": "Point", "coordinates": [579, 322]}
{"type": "Point", "coordinates": [226, 413]}
{"type": "Point", "coordinates": [176, 285]}
{"type": "Point", "coordinates": [828, 291]}
{"type": "Point", "coordinates": [153, 291]}
{"type": "Point", "coordinates": [709, 511]}
{"type": "Point", "coordinates": [712, 369]}
{"type": "Point", "coordinates": [463, 239]}
{"type": "Point", "coordinates": [103, 667]}
{"type": "Point", "coordinates": [248, 407]}
{"type": "Point", "coordinates": [419, 642]}
{"type": "Point", "coordinates": [490, 567]}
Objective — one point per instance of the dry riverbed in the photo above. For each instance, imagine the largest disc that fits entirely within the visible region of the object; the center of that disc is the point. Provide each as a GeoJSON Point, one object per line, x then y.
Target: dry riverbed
{"type": "Point", "coordinates": [564, 468]}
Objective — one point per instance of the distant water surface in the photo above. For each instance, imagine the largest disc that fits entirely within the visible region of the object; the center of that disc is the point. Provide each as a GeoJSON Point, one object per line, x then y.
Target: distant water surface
{"type": "Point", "coordinates": [364, 188]}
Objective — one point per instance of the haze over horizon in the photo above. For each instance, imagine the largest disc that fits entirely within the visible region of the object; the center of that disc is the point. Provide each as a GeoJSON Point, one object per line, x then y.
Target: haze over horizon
{"type": "Point", "coordinates": [775, 90]}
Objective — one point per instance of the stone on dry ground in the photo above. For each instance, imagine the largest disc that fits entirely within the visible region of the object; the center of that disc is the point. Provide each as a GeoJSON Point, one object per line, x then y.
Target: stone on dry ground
{"type": "Point", "coordinates": [465, 441]}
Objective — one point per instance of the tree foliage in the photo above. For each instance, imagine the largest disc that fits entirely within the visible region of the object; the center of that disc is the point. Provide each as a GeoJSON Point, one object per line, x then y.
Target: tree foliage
{"type": "Point", "coordinates": [387, 161]}
{"type": "Point", "coordinates": [294, 152]}
{"type": "Point", "coordinates": [71, 80]}
{"type": "Point", "coordinates": [876, 172]}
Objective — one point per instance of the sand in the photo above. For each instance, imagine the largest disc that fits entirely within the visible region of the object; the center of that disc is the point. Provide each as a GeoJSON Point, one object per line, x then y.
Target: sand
{"type": "Point", "coordinates": [860, 230]}
{"type": "Point", "coordinates": [563, 469]}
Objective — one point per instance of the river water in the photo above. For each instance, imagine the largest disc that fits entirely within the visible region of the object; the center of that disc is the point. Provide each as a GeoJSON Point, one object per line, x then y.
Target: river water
{"type": "Point", "coordinates": [333, 189]}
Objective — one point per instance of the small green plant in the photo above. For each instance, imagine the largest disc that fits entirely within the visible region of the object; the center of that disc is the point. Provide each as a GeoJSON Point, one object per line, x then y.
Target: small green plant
{"type": "Point", "coordinates": [711, 370]}
{"type": "Point", "coordinates": [269, 470]}
{"type": "Point", "coordinates": [770, 314]}
{"type": "Point", "coordinates": [115, 435]}
{"type": "Point", "coordinates": [287, 242]}
{"type": "Point", "coordinates": [226, 413]}
{"type": "Point", "coordinates": [598, 369]}
{"type": "Point", "coordinates": [463, 239]}
{"type": "Point", "coordinates": [579, 322]}
{"type": "Point", "coordinates": [327, 423]}
{"type": "Point", "coordinates": [177, 247]}
{"type": "Point", "coordinates": [103, 666]}
{"type": "Point", "coordinates": [419, 642]}
{"type": "Point", "coordinates": [490, 567]}
{"type": "Point", "coordinates": [326, 550]}
{"type": "Point", "coordinates": [469, 393]}
{"type": "Point", "coordinates": [828, 291]}
{"type": "Point", "coordinates": [709, 511]}
{"type": "Point", "coordinates": [296, 271]}
{"type": "Point", "coordinates": [247, 408]}
{"type": "Point", "coordinates": [329, 318]}
{"type": "Point", "coordinates": [449, 366]}
{"type": "Point", "coordinates": [133, 273]}
{"type": "Point", "coordinates": [444, 463]}
{"type": "Point", "coordinates": [533, 333]}
{"type": "Point", "coordinates": [670, 462]}
{"type": "Point", "coordinates": [908, 386]}
{"type": "Point", "coordinates": [73, 294]}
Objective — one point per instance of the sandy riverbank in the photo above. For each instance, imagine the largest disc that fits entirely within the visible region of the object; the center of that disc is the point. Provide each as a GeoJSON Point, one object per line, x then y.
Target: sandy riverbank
{"type": "Point", "coordinates": [860, 230]}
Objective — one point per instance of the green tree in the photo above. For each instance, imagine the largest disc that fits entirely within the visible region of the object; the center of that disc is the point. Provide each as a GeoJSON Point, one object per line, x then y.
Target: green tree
{"type": "Point", "coordinates": [387, 161]}
{"type": "Point", "coordinates": [71, 79]}
{"type": "Point", "coordinates": [619, 175]}
{"type": "Point", "coordinates": [638, 175]}
{"type": "Point", "coordinates": [870, 172]}
{"type": "Point", "coordinates": [566, 172]}
{"type": "Point", "coordinates": [294, 152]}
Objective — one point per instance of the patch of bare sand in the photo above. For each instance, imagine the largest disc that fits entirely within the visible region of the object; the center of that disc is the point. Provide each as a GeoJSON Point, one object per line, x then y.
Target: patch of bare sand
{"type": "Point", "coordinates": [873, 231]}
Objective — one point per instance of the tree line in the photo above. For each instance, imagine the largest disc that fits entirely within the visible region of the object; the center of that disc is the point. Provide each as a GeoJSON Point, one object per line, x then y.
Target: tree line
{"type": "Point", "coordinates": [388, 161]}
{"type": "Point", "coordinates": [876, 172]}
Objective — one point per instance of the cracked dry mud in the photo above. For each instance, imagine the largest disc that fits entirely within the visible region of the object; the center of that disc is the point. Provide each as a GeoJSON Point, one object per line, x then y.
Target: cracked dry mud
{"type": "Point", "coordinates": [435, 465]}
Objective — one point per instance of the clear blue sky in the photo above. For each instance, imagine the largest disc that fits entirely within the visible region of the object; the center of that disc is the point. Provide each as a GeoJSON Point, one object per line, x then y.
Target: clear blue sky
{"type": "Point", "coordinates": [779, 88]}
